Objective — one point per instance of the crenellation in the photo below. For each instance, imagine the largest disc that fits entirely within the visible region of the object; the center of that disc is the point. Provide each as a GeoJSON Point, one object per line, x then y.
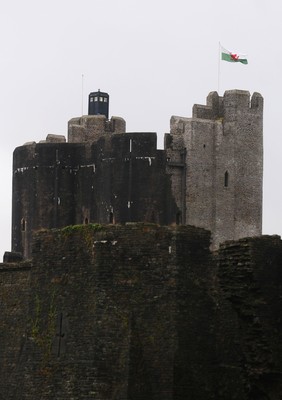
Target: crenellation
{"type": "Point", "coordinates": [257, 102]}
{"type": "Point", "coordinates": [212, 110]}
{"type": "Point", "coordinates": [89, 128]}
{"type": "Point", "coordinates": [32, 143]}
{"type": "Point", "coordinates": [237, 98]}
{"type": "Point", "coordinates": [51, 138]}
{"type": "Point", "coordinates": [202, 112]}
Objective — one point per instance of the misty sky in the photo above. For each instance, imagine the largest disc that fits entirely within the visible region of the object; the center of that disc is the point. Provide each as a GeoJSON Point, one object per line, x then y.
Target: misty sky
{"type": "Point", "coordinates": [155, 58]}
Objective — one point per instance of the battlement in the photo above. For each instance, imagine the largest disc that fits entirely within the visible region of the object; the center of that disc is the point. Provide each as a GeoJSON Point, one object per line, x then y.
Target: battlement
{"type": "Point", "coordinates": [223, 107]}
{"type": "Point", "coordinates": [217, 108]}
{"type": "Point", "coordinates": [51, 138]}
{"type": "Point", "coordinates": [89, 128]}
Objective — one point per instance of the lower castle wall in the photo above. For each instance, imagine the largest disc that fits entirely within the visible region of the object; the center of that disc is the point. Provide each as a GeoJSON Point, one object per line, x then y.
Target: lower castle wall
{"type": "Point", "coordinates": [141, 312]}
{"type": "Point", "coordinates": [14, 302]}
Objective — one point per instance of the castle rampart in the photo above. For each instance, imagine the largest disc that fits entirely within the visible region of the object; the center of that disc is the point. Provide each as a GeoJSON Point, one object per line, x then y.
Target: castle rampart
{"type": "Point", "coordinates": [141, 311]}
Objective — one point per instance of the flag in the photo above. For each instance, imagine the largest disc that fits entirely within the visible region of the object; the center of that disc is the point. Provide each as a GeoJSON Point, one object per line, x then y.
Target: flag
{"type": "Point", "coordinates": [227, 55]}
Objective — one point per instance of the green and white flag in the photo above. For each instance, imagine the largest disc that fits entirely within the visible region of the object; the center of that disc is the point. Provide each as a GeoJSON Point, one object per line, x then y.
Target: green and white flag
{"type": "Point", "coordinates": [227, 55]}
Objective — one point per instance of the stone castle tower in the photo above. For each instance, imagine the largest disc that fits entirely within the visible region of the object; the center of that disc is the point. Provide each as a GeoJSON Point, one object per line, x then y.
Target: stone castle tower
{"type": "Point", "coordinates": [222, 173]}
{"type": "Point", "coordinates": [208, 175]}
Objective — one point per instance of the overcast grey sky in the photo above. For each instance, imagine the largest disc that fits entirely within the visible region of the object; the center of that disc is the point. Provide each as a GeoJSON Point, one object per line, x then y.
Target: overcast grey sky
{"type": "Point", "coordinates": [155, 58]}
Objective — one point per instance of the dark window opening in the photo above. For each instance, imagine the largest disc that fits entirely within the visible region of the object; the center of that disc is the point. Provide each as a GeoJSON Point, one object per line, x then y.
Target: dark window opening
{"type": "Point", "coordinates": [86, 221]}
{"type": "Point", "coordinates": [23, 225]}
{"type": "Point", "coordinates": [226, 179]}
{"type": "Point", "coordinates": [111, 218]}
{"type": "Point", "coordinates": [178, 218]}
{"type": "Point", "coordinates": [59, 340]}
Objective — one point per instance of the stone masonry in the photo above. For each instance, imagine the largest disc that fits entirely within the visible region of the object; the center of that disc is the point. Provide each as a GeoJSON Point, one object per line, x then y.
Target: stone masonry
{"type": "Point", "coordinates": [221, 150]}
{"type": "Point", "coordinates": [209, 174]}
{"type": "Point", "coordinates": [101, 313]}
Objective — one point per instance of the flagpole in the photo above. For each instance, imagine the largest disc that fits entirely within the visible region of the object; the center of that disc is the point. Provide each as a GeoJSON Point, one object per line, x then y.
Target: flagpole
{"type": "Point", "coordinates": [82, 79]}
{"type": "Point", "coordinates": [218, 72]}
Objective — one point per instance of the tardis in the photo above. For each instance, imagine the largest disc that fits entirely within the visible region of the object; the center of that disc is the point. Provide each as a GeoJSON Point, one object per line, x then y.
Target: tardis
{"type": "Point", "coordinates": [98, 103]}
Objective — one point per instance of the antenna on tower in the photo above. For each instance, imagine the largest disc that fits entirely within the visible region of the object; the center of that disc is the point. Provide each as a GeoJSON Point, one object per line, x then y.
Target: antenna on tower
{"type": "Point", "coordinates": [82, 82]}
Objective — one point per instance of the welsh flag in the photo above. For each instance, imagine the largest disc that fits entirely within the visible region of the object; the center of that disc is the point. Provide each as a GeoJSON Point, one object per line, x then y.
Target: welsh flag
{"type": "Point", "coordinates": [227, 55]}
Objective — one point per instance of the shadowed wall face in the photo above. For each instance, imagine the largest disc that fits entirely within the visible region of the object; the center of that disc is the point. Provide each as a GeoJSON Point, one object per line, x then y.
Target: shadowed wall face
{"type": "Point", "coordinates": [120, 178]}
{"type": "Point", "coordinates": [141, 311]}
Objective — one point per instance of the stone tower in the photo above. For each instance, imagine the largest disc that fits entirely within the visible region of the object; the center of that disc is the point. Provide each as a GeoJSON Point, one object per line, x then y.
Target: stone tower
{"type": "Point", "coordinates": [209, 174]}
{"type": "Point", "coordinates": [103, 174]}
{"type": "Point", "coordinates": [217, 168]}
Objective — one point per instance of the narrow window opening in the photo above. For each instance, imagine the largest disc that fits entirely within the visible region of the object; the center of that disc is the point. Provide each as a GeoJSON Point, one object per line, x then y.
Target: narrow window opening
{"type": "Point", "coordinates": [60, 335]}
{"type": "Point", "coordinates": [23, 225]}
{"type": "Point", "coordinates": [226, 179]}
{"type": "Point", "coordinates": [153, 217]}
{"type": "Point", "coordinates": [111, 217]}
{"type": "Point", "coordinates": [178, 218]}
{"type": "Point", "coordinates": [86, 221]}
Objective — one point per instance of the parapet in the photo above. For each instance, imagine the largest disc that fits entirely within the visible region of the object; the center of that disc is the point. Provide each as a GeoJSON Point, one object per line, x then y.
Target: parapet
{"type": "Point", "coordinates": [219, 107]}
{"type": "Point", "coordinates": [12, 257]}
{"type": "Point", "coordinates": [51, 138]}
{"type": "Point", "coordinates": [55, 138]}
{"type": "Point", "coordinates": [212, 110]}
{"type": "Point", "coordinates": [90, 128]}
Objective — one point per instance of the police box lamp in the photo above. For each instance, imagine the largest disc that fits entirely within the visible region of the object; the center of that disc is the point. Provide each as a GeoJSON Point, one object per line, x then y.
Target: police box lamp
{"type": "Point", "coordinates": [98, 103]}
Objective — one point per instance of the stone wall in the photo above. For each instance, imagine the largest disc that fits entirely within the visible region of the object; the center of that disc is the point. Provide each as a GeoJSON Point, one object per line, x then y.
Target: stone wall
{"type": "Point", "coordinates": [141, 311]}
{"type": "Point", "coordinates": [250, 283]}
{"type": "Point", "coordinates": [14, 315]}
{"type": "Point", "coordinates": [223, 144]}
{"type": "Point", "coordinates": [119, 178]}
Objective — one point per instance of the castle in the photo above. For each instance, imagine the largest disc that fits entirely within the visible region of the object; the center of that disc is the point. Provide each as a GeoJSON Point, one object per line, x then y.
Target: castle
{"type": "Point", "coordinates": [209, 174]}
{"type": "Point", "coordinates": [125, 299]}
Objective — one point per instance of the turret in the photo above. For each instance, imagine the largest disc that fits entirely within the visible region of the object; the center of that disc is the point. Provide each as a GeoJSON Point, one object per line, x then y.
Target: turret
{"type": "Point", "coordinates": [89, 128]}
